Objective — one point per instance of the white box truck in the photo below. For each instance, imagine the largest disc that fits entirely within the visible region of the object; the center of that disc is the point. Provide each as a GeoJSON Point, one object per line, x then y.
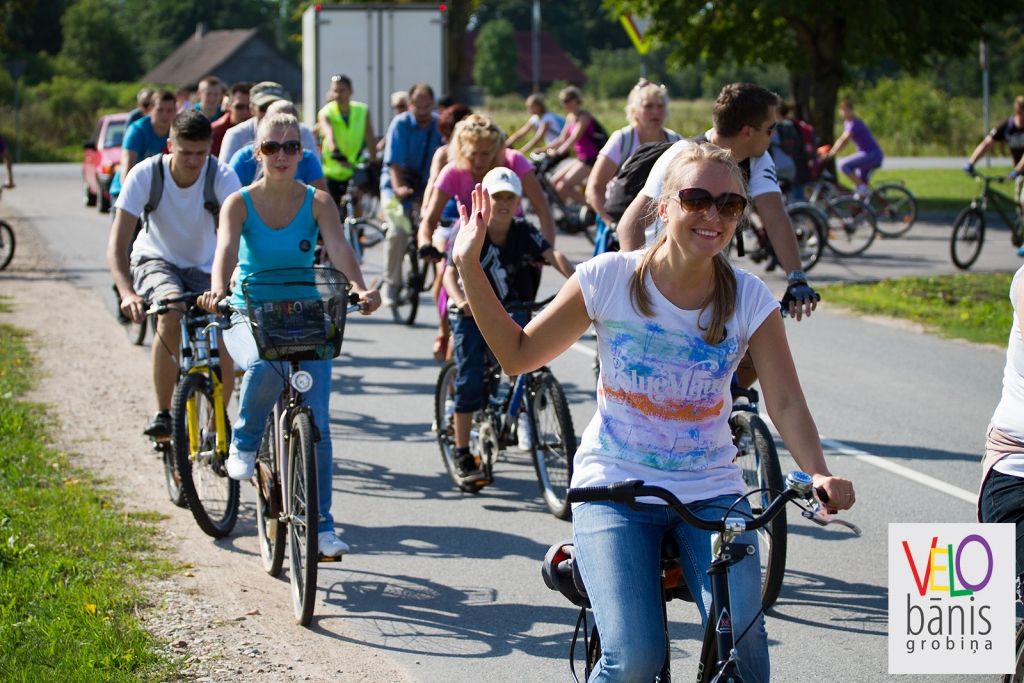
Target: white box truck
{"type": "Point", "coordinates": [382, 47]}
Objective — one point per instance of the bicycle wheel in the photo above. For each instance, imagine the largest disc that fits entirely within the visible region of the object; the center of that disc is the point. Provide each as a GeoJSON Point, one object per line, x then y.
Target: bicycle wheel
{"type": "Point", "coordinates": [407, 298]}
{"type": "Point", "coordinates": [171, 476]}
{"type": "Point", "coordinates": [303, 517]}
{"type": "Point", "coordinates": [1018, 672]}
{"type": "Point", "coordinates": [851, 226]}
{"type": "Point", "coordinates": [554, 441]}
{"type": "Point", "coordinates": [269, 527]}
{"type": "Point", "coordinates": [211, 494]}
{"type": "Point", "coordinates": [6, 244]}
{"type": "Point", "coordinates": [968, 237]}
{"type": "Point", "coordinates": [759, 461]}
{"type": "Point", "coordinates": [895, 209]}
{"type": "Point", "coordinates": [809, 229]}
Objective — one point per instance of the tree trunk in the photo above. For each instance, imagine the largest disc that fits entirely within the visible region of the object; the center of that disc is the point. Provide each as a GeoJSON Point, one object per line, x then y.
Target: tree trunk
{"type": "Point", "coordinates": [458, 15]}
{"type": "Point", "coordinates": [824, 43]}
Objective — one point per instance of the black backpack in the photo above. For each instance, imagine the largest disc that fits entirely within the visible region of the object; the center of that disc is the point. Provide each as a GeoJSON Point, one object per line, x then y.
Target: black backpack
{"type": "Point", "coordinates": [600, 135]}
{"type": "Point", "coordinates": [156, 191]}
{"type": "Point", "coordinates": [632, 175]}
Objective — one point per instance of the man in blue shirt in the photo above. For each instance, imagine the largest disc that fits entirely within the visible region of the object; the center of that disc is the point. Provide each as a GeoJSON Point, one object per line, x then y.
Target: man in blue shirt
{"type": "Point", "coordinates": [145, 138]}
{"type": "Point", "coordinates": [246, 165]}
{"type": "Point", "coordinates": [412, 139]}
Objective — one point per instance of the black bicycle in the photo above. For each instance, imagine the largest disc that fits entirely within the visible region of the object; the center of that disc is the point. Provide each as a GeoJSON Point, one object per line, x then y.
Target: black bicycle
{"type": "Point", "coordinates": [969, 228]}
{"type": "Point", "coordinates": [718, 658]}
{"type": "Point", "coordinates": [552, 439]}
{"type": "Point", "coordinates": [810, 226]}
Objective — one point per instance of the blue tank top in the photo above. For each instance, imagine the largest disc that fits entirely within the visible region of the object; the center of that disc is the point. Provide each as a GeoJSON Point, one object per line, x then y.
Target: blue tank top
{"type": "Point", "coordinates": [262, 247]}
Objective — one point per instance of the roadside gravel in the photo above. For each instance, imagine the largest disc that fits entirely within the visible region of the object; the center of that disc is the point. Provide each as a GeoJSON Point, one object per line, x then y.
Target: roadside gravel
{"type": "Point", "coordinates": [222, 615]}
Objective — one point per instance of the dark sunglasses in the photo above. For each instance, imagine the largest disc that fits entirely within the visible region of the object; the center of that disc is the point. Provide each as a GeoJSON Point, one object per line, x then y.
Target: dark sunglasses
{"type": "Point", "coordinates": [290, 147]}
{"type": "Point", "coordinates": [239, 105]}
{"type": "Point", "coordinates": [729, 204]}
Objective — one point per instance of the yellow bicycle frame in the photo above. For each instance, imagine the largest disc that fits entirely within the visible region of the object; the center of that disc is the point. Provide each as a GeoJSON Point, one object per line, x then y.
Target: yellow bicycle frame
{"type": "Point", "coordinates": [219, 418]}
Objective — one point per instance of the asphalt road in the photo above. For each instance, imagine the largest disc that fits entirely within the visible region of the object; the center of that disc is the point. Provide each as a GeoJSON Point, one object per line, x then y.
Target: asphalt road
{"type": "Point", "coordinates": [448, 585]}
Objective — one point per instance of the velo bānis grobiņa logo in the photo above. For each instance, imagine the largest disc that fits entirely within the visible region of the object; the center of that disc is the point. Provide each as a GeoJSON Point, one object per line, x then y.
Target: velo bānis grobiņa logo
{"type": "Point", "coordinates": [951, 598]}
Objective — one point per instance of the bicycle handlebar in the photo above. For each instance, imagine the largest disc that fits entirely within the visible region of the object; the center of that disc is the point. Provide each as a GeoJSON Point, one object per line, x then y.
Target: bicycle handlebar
{"type": "Point", "coordinates": [798, 485]}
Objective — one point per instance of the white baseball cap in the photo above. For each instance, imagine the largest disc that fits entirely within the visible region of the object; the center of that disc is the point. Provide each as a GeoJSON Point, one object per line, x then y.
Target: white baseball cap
{"type": "Point", "coordinates": [501, 179]}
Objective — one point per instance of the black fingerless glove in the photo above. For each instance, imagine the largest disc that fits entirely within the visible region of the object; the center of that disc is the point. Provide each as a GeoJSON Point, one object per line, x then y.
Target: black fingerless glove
{"type": "Point", "coordinates": [799, 292]}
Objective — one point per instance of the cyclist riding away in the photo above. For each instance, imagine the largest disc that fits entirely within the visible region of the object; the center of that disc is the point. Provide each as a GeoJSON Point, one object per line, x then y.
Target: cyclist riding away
{"type": "Point", "coordinates": [347, 133]}
{"type": "Point", "coordinates": [173, 253]}
{"type": "Point", "coordinates": [858, 166]}
{"type": "Point", "coordinates": [274, 223]}
{"type": "Point", "coordinates": [668, 352]}
{"type": "Point", "coordinates": [744, 119]}
{"type": "Point", "coordinates": [506, 253]}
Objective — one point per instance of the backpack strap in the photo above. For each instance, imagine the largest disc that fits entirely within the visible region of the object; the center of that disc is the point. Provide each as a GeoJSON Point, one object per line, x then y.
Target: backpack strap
{"type": "Point", "coordinates": [210, 202]}
{"type": "Point", "coordinates": [156, 191]}
{"type": "Point", "coordinates": [625, 143]}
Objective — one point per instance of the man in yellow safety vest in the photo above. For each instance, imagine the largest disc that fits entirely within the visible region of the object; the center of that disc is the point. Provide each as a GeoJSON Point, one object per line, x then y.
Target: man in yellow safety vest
{"type": "Point", "coordinates": [347, 132]}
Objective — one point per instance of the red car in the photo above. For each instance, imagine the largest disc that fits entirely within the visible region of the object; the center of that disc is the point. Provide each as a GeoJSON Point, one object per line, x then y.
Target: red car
{"type": "Point", "coordinates": [102, 155]}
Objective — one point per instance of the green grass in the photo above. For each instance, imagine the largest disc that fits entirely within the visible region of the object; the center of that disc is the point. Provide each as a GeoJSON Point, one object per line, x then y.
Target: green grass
{"type": "Point", "coordinates": [71, 561]}
{"type": "Point", "coordinates": [971, 306]}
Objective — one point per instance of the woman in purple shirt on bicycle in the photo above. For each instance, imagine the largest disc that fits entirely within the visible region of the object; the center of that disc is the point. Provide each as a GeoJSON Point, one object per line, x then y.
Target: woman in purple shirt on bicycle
{"type": "Point", "coordinates": [858, 166]}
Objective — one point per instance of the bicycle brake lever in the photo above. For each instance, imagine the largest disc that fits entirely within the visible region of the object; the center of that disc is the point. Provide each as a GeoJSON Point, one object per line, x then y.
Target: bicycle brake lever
{"type": "Point", "coordinates": [820, 516]}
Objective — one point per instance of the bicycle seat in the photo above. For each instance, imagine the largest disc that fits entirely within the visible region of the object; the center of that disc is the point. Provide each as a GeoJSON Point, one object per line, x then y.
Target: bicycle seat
{"type": "Point", "coordinates": [673, 584]}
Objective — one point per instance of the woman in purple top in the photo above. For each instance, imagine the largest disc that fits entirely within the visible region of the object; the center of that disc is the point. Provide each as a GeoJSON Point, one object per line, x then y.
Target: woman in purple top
{"type": "Point", "coordinates": [578, 133]}
{"type": "Point", "coordinates": [868, 157]}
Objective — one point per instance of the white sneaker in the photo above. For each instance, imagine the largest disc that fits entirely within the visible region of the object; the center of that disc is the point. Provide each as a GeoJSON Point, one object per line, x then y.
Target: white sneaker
{"type": "Point", "coordinates": [388, 295]}
{"type": "Point", "coordinates": [524, 432]}
{"type": "Point", "coordinates": [240, 464]}
{"type": "Point", "coordinates": [331, 545]}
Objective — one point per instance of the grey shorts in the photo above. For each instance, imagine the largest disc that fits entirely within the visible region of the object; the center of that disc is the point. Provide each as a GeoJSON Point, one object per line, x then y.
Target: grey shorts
{"type": "Point", "coordinates": [156, 279]}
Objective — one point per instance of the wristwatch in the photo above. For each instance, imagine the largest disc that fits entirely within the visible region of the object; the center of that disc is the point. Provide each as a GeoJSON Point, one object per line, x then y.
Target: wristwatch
{"type": "Point", "coordinates": [796, 276]}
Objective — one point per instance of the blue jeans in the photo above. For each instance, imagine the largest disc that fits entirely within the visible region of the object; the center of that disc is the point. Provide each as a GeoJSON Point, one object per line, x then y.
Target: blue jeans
{"type": "Point", "coordinates": [619, 551]}
{"type": "Point", "coordinates": [260, 389]}
{"type": "Point", "coordinates": [469, 359]}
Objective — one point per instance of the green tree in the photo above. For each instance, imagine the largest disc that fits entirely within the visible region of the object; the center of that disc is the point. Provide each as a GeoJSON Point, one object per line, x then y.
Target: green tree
{"type": "Point", "coordinates": [819, 41]}
{"type": "Point", "coordinates": [496, 57]}
{"type": "Point", "coordinates": [94, 43]}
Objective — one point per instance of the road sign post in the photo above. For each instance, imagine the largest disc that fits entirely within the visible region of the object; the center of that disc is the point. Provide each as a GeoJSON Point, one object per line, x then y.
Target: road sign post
{"type": "Point", "coordinates": [636, 29]}
{"type": "Point", "coordinates": [16, 67]}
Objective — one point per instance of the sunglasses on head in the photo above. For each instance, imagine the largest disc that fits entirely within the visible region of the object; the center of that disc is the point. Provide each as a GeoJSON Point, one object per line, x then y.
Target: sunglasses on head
{"type": "Point", "coordinates": [729, 204]}
{"type": "Point", "coordinates": [290, 147]}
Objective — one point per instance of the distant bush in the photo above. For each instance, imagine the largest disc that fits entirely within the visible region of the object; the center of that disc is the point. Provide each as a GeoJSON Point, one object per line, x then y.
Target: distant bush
{"type": "Point", "coordinates": [910, 116]}
{"type": "Point", "coordinates": [57, 116]}
{"type": "Point", "coordinates": [494, 68]}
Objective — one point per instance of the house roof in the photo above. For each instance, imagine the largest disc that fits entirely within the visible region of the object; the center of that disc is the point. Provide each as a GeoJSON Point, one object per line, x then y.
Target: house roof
{"type": "Point", "coordinates": [198, 56]}
{"type": "Point", "coordinates": [555, 64]}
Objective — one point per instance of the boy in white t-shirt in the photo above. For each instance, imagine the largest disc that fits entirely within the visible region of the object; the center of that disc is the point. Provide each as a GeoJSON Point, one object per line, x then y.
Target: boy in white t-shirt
{"type": "Point", "coordinates": [174, 251]}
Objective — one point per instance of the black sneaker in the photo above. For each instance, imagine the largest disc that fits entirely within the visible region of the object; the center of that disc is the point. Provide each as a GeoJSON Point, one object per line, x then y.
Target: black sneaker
{"type": "Point", "coordinates": [469, 471]}
{"type": "Point", "coordinates": [160, 426]}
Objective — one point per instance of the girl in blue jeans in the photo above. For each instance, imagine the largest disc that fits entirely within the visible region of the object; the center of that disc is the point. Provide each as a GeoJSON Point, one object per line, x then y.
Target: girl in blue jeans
{"type": "Point", "coordinates": [672, 324]}
{"type": "Point", "coordinates": [274, 223]}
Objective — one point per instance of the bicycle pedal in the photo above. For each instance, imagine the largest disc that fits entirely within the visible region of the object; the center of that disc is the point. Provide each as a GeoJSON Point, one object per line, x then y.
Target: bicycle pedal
{"type": "Point", "coordinates": [329, 558]}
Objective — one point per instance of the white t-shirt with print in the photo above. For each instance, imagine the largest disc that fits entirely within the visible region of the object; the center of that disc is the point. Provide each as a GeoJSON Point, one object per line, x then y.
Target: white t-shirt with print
{"type": "Point", "coordinates": [181, 230]}
{"type": "Point", "coordinates": [1009, 414]}
{"type": "Point", "coordinates": [663, 398]}
{"type": "Point", "coordinates": [762, 179]}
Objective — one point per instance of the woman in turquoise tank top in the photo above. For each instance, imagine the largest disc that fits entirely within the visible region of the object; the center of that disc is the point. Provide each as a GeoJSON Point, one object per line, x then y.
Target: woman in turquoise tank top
{"type": "Point", "coordinates": [274, 223]}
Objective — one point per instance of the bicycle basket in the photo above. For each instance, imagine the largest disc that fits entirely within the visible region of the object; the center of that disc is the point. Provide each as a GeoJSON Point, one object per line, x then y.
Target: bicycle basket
{"type": "Point", "coordinates": [297, 313]}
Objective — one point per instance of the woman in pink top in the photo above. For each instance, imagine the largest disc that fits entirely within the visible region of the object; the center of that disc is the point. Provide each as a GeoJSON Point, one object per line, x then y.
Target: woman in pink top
{"type": "Point", "coordinates": [477, 146]}
{"type": "Point", "coordinates": [578, 134]}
